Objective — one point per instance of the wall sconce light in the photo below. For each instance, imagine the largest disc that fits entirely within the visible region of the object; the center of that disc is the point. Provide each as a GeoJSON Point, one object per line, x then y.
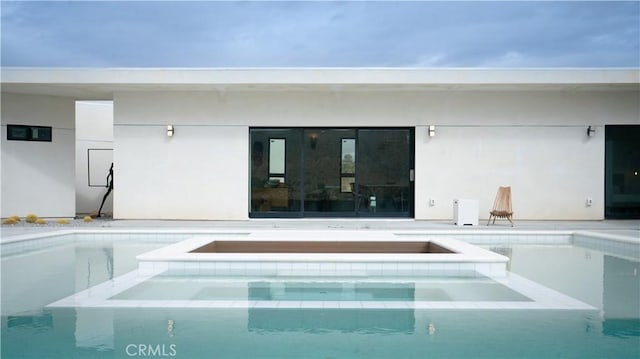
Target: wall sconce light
{"type": "Point", "coordinates": [590, 131]}
{"type": "Point", "coordinates": [314, 141]}
{"type": "Point", "coordinates": [170, 130]}
{"type": "Point", "coordinates": [432, 130]}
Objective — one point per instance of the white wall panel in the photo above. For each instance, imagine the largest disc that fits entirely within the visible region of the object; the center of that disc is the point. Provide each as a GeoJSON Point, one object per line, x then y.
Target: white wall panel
{"type": "Point", "coordinates": [39, 177]}
{"type": "Point", "coordinates": [199, 173]}
{"type": "Point", "coordinates": [94, 130]}
{"type": "Point", "coordinates": [552, 170]}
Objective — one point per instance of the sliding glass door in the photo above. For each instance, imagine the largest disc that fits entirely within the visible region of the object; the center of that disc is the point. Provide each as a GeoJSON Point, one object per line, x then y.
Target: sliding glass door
{"type": "Point", "coordinates": [331, 172]}
{"type": "Point", "coordinates": [385, 172]}
{"type": "Point", "coordinates": [622, 172]}
{"type": "Point", "coordinates": [275, 172]}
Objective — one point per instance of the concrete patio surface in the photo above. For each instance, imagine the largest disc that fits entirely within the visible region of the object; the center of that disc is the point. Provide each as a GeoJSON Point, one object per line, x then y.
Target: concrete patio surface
{"type": "Point", "coordinates": [627, 228]}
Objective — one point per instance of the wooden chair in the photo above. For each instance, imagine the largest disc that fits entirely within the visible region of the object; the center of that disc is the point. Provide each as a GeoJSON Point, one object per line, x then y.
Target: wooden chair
{"type": "Point", "coordinates": [502, 206]}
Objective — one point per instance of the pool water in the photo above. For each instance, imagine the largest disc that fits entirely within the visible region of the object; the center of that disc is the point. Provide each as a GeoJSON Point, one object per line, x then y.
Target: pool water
{"type": "Point", "coordinates": [32, 279]}
{"type": "Point", "coordinates": [320, 333]}
{"type": "Point", "coordinates": [169, 287]}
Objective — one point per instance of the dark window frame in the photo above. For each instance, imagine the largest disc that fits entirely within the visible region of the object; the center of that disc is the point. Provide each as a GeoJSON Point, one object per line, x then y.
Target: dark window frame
{"type": "Point", "coordinates": [302, 212]}
{"type": "Point", "coordinates": [32, 133]}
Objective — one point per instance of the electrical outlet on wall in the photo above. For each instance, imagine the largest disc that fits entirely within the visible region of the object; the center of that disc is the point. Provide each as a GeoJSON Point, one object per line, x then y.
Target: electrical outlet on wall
{"type": "Point", "coordinates": [432, 202]}
{"type": "Point", "coordinates": [589, 202]}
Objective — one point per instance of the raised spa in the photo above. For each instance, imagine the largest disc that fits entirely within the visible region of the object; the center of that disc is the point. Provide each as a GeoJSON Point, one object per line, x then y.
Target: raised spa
{"type": "Point", "coordinates": [338, 253]}
{"type": "Point", "coordinates": [320, 247]}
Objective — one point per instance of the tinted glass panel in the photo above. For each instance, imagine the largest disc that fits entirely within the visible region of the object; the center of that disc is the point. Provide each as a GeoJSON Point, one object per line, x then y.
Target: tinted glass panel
{"type": "Point", "coordinates": [28, 133]}
{"type": "Point", "coordinates": [275, 171]}
{"type": "Point", "coordinates": [384, 163]}
{"type": "Point", "coordinates": [324, 163]}
{"type": "Point", "coordinates": [622, 171]}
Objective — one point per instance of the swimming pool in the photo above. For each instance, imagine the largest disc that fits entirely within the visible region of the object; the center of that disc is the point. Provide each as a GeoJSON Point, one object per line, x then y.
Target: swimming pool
{"type": "Point", "coordinates": [564, 297]}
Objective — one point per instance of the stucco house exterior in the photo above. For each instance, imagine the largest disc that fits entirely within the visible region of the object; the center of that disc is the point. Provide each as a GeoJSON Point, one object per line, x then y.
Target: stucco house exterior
{"type": "Point", "coordinates": [236, 144]}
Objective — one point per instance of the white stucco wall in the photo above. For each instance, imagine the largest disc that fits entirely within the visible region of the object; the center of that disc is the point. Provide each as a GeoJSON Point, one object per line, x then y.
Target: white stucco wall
{"type": "Point", "coordinates": [199, 173]}
{"type": "Point", "coordinates": [534, 141]}
{"type": "Point", "coordinates": [552, 170]}
{"type": "Point", "coordinates": [94, 130]}
{"type": "Point", "coordinates": [39, 177]}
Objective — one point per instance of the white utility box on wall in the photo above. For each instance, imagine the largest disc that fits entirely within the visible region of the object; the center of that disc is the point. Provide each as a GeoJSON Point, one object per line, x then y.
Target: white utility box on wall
{"type": "Point", "coordinates": [465, 212]}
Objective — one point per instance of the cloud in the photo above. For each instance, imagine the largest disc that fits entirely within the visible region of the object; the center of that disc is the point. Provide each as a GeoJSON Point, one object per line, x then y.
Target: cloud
{"type": "Point", "coordinates": [430, 60]}
{"type": "Point", "coordinates": [290, 34]}
{"type": "Point", "coordinates": [509, 59]}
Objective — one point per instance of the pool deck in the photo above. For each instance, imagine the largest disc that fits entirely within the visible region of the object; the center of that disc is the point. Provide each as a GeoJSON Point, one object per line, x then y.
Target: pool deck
{"type": "Point", "coordinates": [624, 228]}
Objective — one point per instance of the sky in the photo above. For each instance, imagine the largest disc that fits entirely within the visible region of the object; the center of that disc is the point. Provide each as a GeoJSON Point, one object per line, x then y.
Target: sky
{"type": "Point", "coordinates": [320, 34]}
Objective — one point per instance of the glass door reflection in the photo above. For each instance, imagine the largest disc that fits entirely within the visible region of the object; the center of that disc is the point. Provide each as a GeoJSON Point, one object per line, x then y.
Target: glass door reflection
{"type": "Point", "coordinates": [384, 163]}
{"type": "Point", "coordinates": [275, 172]}
{"type": "Point", "coordinates": [329, 171]}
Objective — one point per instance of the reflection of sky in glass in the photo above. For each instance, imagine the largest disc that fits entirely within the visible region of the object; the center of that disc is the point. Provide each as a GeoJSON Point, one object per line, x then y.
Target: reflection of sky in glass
{"type": "Point", "coordinates": [348, 155]}
{"type": "Point", "coordinates": [276, 156]}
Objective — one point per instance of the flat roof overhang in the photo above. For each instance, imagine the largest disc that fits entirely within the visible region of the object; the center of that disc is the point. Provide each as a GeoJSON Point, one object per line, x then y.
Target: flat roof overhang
{"type": "Point", "coordinates": [101, 84]}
